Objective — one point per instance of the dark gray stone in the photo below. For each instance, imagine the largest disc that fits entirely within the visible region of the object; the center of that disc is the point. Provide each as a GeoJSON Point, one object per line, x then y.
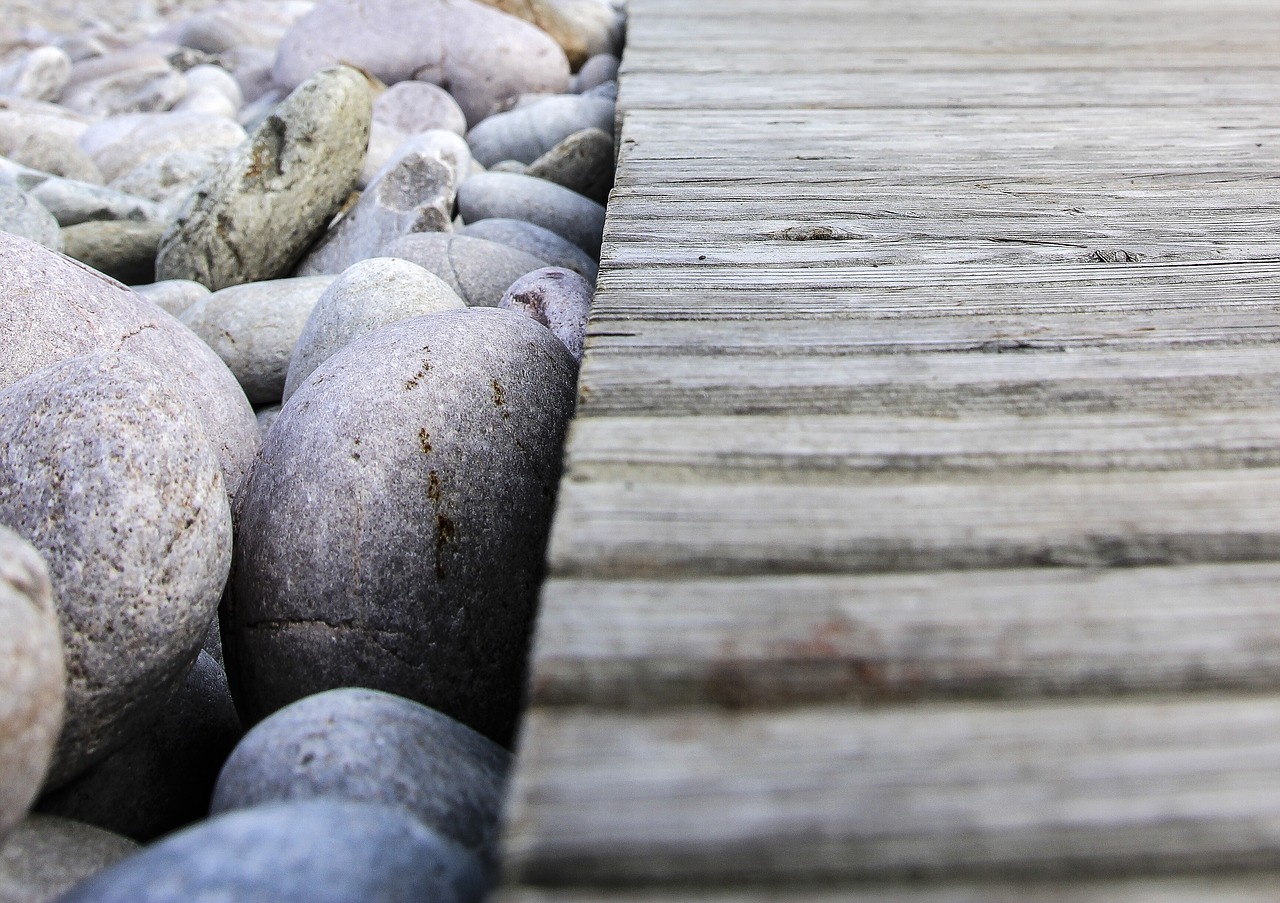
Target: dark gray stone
{"type": "Point", "coordinates": [53, 308]}
{"type": "Point", "coordinates": [478, 270]}
{"type": "Point", "coordinates": [525, 134]}
{"type": "Point", "coordinates": [106, 470]}
{"type": "Point", "coordinates": [542, 243]}
{"type": "Point", "coordinates": [121, 249]}
{"type": "Point", "coordinates": [583, 162]}
{"type": "Point", "coordinates": [256, 213]}
{"type": "Point", "coordinates": [392, 531]}
{"type": "Point", "coordinates": [506, 195]}
{"type": "Point", "coordinates": [163, 778]}
{"type": "Point", "coordinates": [310, 852]}
{"type": "Point", "coordinates": [44, 856]}
{"type": "Point", "coordinates": [32, 676]}
{"type": "Point", "coordinates": [371, 747]}
{"type": "Point", "coordinates": [557, 298]}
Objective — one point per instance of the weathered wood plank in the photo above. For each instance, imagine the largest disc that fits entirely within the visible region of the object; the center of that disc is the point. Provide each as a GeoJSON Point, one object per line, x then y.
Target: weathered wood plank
{"type": "Point", "coordinates": [872, 88]}
{"type": "Point", "coordinates": [831, 794]}
{"type": "Point", "coordinates": [1243, 888]}
{"type": "Point", "coordinates": [633, 528]}
{"type": "Point", "coordinates": [1086, 380]}
{"type": "Point", "coordinates": [766, 642]}
{"type": "Point", "coordinates": [787, 447]}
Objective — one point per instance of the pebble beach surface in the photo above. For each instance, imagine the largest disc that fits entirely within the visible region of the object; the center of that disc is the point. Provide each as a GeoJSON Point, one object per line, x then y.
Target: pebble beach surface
{"type": "Point", "coordinates": [293, 295]}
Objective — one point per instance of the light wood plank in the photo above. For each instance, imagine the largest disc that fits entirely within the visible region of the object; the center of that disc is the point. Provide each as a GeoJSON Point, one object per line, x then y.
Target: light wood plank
{"type": "Point", "coordinates": [632, 528]}
{"type": "Point", "coordinates": [826, 794]}
{"type": "Point", "coordinates": [930, 384]}
{"type": "Point", "coordinates": [786, 447]}
{"type": "Point", "coordinates": [767, 642]}
{"type": "Point", "coordinates": [1243, 888]}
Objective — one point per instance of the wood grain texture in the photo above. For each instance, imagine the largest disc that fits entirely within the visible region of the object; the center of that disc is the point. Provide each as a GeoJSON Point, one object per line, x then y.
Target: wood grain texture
{"type": "Point", "coordinates": [770, 642]}
{"type": "Point", "coordinates": [828, 794]}
{"type": "Point", "coordinates": [920, 530]}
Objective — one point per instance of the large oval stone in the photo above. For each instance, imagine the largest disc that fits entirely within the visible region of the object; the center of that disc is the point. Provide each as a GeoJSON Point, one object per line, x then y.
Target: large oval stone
{"type": "Point", "coordinates": [53, 308]}
{"type": "Point", "coordinates": [255, 214]}
{"type": "Point", "coordinates": [32, 676]}
{"type": "Point", "coordinates": [320, 851]}
{"type": "Point", "coordinates": [391, 534]}
{"type": "Point", "coordinates": [483, 57]}
{"type": "Point", "coordinates": [371, 747]}
{"type": "Point", "coordinates": [105, 469]}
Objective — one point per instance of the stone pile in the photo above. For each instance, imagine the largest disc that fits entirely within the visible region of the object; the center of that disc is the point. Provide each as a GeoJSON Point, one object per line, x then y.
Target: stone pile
{"type": "Point", "coordinates": [293, 300]}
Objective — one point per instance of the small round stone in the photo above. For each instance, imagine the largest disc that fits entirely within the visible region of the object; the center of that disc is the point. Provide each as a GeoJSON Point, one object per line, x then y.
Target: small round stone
{"type": "Point", "coordinates": [557, 298]}
{"type": "Point", "coordinates": [319, 851]}
{"type": "Point", "coordinates": [371, 747]}
{"type": "Point", "coordinates": [368, 294]}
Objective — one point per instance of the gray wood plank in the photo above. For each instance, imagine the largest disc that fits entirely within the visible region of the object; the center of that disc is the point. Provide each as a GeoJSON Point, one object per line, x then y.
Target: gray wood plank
{"type": "Point", "coordinates": [635, 528]}
{"type": "Point", "coordinates": [1242, 888]}
{"type": "Point", "coordinates": [769, 642]}
{"type": "Point", "coordinates": [825, 794]}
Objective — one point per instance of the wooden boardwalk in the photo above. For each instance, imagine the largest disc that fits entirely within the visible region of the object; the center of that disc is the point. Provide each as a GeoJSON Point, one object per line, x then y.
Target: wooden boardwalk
{"type": "Point", "coordinates": [920, 536]}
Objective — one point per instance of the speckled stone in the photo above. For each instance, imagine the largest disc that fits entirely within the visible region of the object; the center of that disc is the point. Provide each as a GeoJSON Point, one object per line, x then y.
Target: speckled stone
{"type": "Point", "coordinates": [106, 470]}
{"type": "Point", "coordinates": [254, 215]}
{"type": "Point", "coordinates": [45, 856]}
{"type": "Point", "coordinates": [557, 298]}
{"type": "Point", "coordinates": [369, 294]}
{"type": "Point", "coordinates": [343, 578]}
{"type": "Point", "coordinates": [583, 162]}
{"type": "Point", "coordinates": [53, 308]}
{"type": "Point", "coordinates": [32, 676]}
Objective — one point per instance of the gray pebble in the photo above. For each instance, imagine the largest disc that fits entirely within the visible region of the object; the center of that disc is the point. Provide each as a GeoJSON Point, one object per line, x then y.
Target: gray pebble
{"type": "Point", "coordinates": [20, 119]}
{"type": "Point", "coordinates": [106, 470]}
{"type": "Point", "coordinates": [396, 476]}
{"type": "Point", "coordinates": [45, 856]}
{"type": "Point", "coordinates": [482, 55]}
{"type": "Point", "coordinates": [319, 851]}
{"type": "Point", "coordinates": [583, 162]}
{"type": "Point", "coordinates": [21, 214]}
{"type": "Point", "coordinates": [478, 270]}
{"type": "Point", "coordinates": [543, 203]}
{"type": "Point", "coordinates": [365, 746]}
{"type": "Point", "coordinates": [257, 212]}
{"type": "Point", "coordinates": [32, 676]}
{"type": "Point", "coordinates": [147, 88]}
{"type": "Point", "coordinates": [253, 328]}
{"type": "Point", "coordinates": [73, 202]}
{"type": "Point", "coordinates": [173, 295]}
{"type": "Point", "coordinates": [39, 74]}
{"type": "Point", "coordinates": [410, 107]}
{"type": "Point", "coordinates": [369, 294]}
{"type": "Point", "coordinates": [168, 179]}
{"type": "Point", "coordinates": [557, 298]}
{"type": "Point", "coordinates": [58, 156]}
{"type": "Point", "coordinates": [53, 308]}
{"type": "Point", "coordinates": [601, 68]}
{"type": "Point", "coordinates": [121, 143]}
{"type": "Point", "coordinates": [414, 193]}
{"type": "Point", "coordinates": [161, 779]}
{"type": "Point", "coordinates": [121, 249]}
{"type": "Point", "coordinates": [266, 417]}
{"type": "Point", "coordinates": [526, 134]}
{"type": "Point", "coordinates": [542, 243]}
